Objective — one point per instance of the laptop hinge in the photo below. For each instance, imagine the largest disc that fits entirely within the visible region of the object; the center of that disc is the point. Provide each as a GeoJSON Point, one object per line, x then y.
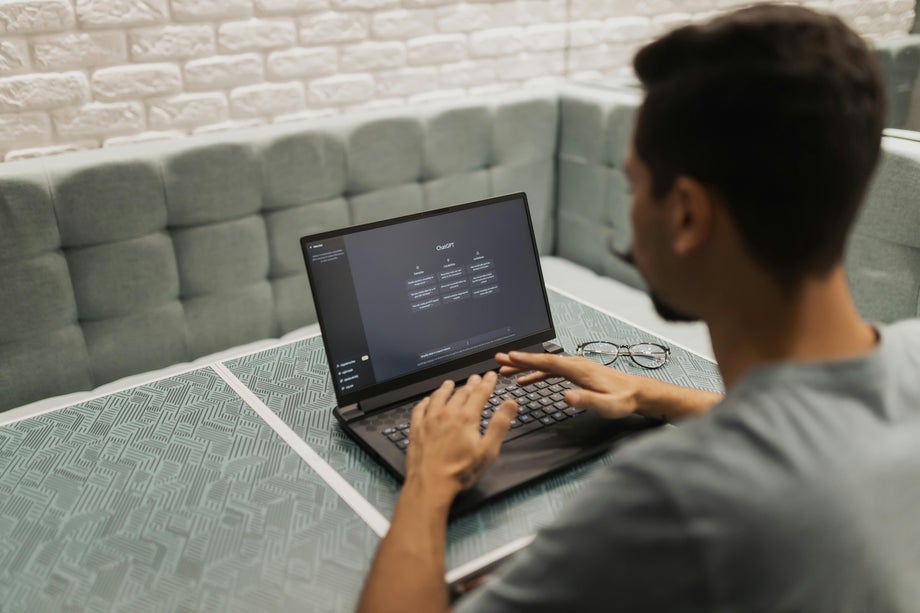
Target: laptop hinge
{"type": "Point", "coordinates": [551, 347]}
{"type": "Point", "coordinates": [351, 412]}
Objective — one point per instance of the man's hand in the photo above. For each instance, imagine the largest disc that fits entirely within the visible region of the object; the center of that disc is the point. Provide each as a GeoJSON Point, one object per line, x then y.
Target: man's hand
{"type": "Point", "coordinates": [609, 392]}
{"type": "Point", "coordinates": [446, 453]}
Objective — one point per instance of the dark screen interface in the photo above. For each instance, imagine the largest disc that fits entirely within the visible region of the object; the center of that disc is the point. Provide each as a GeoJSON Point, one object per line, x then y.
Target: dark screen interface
{"type": "Point", "coordinates": [401, 298]}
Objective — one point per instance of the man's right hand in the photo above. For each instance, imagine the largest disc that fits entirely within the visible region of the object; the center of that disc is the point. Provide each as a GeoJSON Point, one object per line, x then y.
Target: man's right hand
{"type": "Point", "coordinates": [607, 391]}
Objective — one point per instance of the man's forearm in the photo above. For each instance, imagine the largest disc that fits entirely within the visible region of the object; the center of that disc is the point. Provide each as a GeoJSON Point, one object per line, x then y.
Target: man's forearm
{"type": "Point", "coordinates": [408, 571]}
{"type": "Point", "coordinates": [673, 402]}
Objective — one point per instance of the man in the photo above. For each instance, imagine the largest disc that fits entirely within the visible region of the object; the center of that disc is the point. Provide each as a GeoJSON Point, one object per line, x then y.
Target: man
{"type": "Point", "coordinates": [799, 491]}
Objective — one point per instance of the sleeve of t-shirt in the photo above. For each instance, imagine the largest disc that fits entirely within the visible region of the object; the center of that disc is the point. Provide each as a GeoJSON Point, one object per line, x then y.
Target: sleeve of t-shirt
{"type": "Point", "coordinates": [621, 545]}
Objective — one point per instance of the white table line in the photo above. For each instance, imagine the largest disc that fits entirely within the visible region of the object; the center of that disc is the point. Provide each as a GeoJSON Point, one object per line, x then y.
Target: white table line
{"type": "Point", "coordinates": [365, 510]}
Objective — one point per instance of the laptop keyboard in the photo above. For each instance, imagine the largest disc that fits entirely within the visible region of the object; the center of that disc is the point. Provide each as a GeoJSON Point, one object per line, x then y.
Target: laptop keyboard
{"type": "Point", "coordinates": [540, 405]}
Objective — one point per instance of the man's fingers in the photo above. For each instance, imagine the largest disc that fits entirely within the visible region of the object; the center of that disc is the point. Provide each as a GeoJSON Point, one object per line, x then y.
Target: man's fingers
{"type": "Point", "coordinates": [418, 414]}
{"type": "Point", "coordinates": [498, 427]}
{"type": "Point", "coordinates": [440, 395]}
{"type": "Point", "coordinates": [481, 389]}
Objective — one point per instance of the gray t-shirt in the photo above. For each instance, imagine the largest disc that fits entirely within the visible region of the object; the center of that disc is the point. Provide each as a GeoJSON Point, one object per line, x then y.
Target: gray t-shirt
{"type": "Point", "coordinates": [799, 492]}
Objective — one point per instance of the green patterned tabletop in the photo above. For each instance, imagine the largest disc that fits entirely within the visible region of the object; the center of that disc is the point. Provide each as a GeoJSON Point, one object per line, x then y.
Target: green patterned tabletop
{"type": "Point", "coordinates": [292, 380]}
{"type": "Point", "coordinates": [171, 496]}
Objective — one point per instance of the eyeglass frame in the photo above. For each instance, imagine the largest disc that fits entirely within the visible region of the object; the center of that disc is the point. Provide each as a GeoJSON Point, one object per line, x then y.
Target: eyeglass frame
{"type": "Point", "coordinates": [579, 350]}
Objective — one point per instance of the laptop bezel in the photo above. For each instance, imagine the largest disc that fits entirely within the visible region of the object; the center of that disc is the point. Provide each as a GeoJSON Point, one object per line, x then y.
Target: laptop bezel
{"type": "Point", "coordinates": [450, 366]}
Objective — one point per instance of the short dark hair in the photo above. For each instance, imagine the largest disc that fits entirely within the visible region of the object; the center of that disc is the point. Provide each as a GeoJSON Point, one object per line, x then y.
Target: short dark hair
{"type": "Point", "coordinates": [779, 109]}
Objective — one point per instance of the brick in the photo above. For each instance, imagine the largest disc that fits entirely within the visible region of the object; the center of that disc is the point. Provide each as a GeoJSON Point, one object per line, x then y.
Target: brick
{"type": "Point", "coordinates": [403, 24]}
{"type": "Point", "coordinates": [202, 10]}
{"type": "Point", "coordinates": [333, 28]}
{"type": "Point", "coordinates": [530, 65]}
{"type": "Point", "coordinates": [494, 88]}
{"type": "Point", "coordinates": [14, 56]}
{"type": "Point", "coordinates": [171, 43]}
{"type": "Point", "coordinates": [623, 29]}
{"type": "Point", "coordinates": [546, 37]}
{"type": "Point", "coordinates": [187, 110]}
{"type": "Point", "coordinates": [99, 119]}
{"type": "Point", "coordinates": [467, 74]}
{"type": "Point", "coordinates": [412, 4]}
{"type": "Point", "coordinates": [406, 81]}
{"type": "Point", "coordinates": [225, 126]}
{"type": "Point", "coordinates": [586, 33]}
{"type": "Point", "coordinates": [465, 18]}
{"type": "Point", "coordinates": [363, 5]}
{"type": "Point", "coordinates": [222, 71]}
{"type": "Point", "coordinates": [307, 115]}
{"type": "Point", "coordinates": [121, 13]}
{"type": "Point", "coordinates": [341, 89]}
{"type": "Point", "coordinates": [256, 35]}
{"type": "Point", "coordinates": [437, 96]}
{"type": "Point", "coordinates": [79, 50]}
{"type": "Point", "coordinates": [500, 41]}
{"type": "Point", "coordinates": [143, 137]}
{"type": "Point", "coordinates": [590, 58]}
{"type": "Point", "coordinates": [37, 152]}
{"type": "Point", "coordinates": [671, 21]}
{"type": "Point", "coordinates": [136, 81]}
{"type": "Point", "coordinates": [289, 7]}
{"type": "Point", "coordinates": [375, 105]}
{"type": "Point", "coordinates": [25, 129]}
{"type": "Point", "coordinates": [30, 16]}
{"type": "Point", "coordinates": [437, 49]}
{"type": "Point", "coordinates": [507, 14]}
{"type": "Point", "coordinates": [372, 56]}
{"type": "Point", "coordinates": [302, 63]}
{"type": "Point", "coordinates": [267, 99]}
{"type": "Point", "coordinates": [42, 91]}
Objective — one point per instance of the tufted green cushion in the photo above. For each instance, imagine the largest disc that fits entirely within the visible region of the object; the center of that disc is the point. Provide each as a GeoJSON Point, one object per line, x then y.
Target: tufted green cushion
{"type": "Point", "coordinates": [213, 181]}
{"type": "Point", "coordinates": [108, 196]}
{"type": "Point", "coordinates": [593, 213]}
{"type": "Point", "coordinates": [303, 167]}
{"type": "Point", "coordinates": [27, 220]}
{"type": "Point", "coordinates": [123, 277]}
{"type": "Point", "coordinates": [883, 254]}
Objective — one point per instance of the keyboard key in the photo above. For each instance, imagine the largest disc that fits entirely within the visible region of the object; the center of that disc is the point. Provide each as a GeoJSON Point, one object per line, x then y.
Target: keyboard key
{"type": "Point", "coordinates": [403, 426]}
{"type": "Point", "coordinates": [389, 431]}
{"type": "Point", "coordinates": [395, 436]}
{"type": "Point", "coordinates": [557, 397]}
{"type": "Point", "coordinates": [546, 401]}
{"type": "Point", "coordinates": [525, 419]}
{"type": "Point", "coordinates": [533, 406]}
{"type": "Point", "coordinates": [537, 414]}
{"type": "Point", "coordinates": [523, 410]}
{"type": "Point", "coordinates": [486, 413]}
{"type": "Point", "coordinates": [545, 392]}
{"type": "Point", "coordinates": [484, 423]}
{"type": "Point", "coordinates": [541, 384]}
{"type": "Point", "coordinates": [561, 405]}
{"type": "Point", "coordinates": [515, 423]}
{"type": "Point", "coordinates": [403, 443]}
{"type": "Point", "coordinates": [572, 411]}
{"type": "Point", "coordinates": [518, 392]}
{"type": "Point", "coordinates": [533, 396]}
{"type": "Point", "coordinates": [548, 421]}
{"type": "Point", "coordinates": [556, 387]}
{"type": "Point", "coordinates": [495, 401]}
{"type": "Point", "coordinates": [530, 388]}
{"type": "Point", "coordinates": [559, 416]}
{"type": "Point", "coordinates": [555, 380]}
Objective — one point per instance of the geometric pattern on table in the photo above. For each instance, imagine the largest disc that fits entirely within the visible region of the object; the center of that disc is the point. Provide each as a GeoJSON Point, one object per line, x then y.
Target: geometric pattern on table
{"type": "Point", "coordinates": [292, 380]}
{"type": "Point", "coordinates": [170, 496]}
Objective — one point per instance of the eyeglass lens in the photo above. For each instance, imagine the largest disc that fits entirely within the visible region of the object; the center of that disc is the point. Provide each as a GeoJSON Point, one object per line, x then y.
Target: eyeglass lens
{"type": "Point", "coordinates": [647, 355]}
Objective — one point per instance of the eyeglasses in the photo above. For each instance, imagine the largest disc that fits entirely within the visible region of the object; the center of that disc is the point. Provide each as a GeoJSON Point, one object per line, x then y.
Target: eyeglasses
{"type": "Point", "coordinates": [646, 355]}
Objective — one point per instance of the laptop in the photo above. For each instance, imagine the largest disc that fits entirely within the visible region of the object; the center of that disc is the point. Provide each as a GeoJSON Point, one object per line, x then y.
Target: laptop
{"type": "Point", "coordinates": [406, 303]}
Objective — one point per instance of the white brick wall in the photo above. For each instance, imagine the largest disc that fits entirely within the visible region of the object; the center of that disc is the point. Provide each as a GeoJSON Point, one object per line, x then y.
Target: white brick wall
{"type": "Point", "coordinates": [79, 74]}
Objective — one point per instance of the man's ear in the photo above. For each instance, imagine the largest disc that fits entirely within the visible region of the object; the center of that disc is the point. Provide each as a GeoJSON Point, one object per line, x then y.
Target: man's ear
{"type": "Point", "coordinates": [692, 215]}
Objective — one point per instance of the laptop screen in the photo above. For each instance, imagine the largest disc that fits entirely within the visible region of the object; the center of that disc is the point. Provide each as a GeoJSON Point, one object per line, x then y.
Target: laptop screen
{"type": "Point", "coordinates": [417, 294]}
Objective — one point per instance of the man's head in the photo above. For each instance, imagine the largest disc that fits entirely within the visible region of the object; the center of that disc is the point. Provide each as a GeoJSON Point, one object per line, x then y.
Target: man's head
{"type": "Point", "coordinates": [772, 112]}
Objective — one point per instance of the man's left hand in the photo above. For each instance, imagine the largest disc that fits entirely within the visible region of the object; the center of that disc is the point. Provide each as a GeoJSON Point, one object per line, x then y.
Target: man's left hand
{"type": "Point", "coordinates": [446, 453]}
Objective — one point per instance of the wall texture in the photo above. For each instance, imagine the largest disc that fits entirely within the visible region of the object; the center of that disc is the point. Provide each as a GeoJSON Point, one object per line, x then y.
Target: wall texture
{"type": "Point", "coordinates": [78, 74]}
